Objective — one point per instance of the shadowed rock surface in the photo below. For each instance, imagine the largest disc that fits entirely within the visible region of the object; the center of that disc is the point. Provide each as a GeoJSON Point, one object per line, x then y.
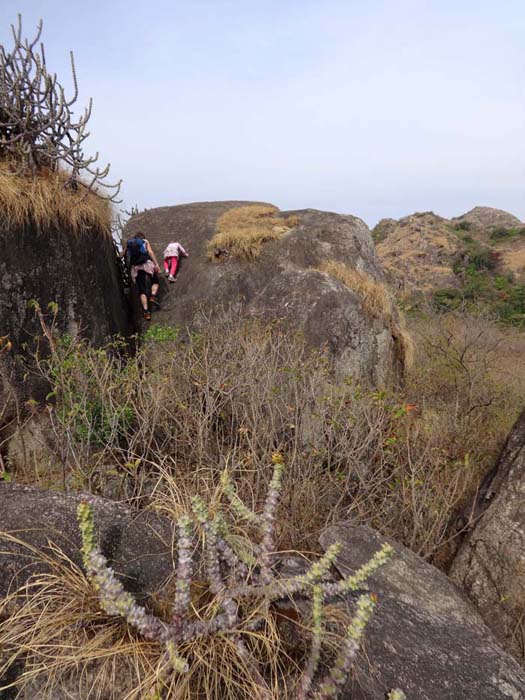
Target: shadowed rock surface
{"type": "Point", "coordinates": [424, 637]}
{"type": "Point", "coordinates": [281, 284]}
{"type": "Point", "coordinates": [138, 546]}
{"type": "Point", "coordinates": [490, 566]}
{"type": "Point", "coordinates": [78, 272]}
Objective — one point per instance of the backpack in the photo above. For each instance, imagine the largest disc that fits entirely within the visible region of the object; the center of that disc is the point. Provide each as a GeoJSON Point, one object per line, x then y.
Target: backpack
{"type": "Point", "coordinates": [136, 251]}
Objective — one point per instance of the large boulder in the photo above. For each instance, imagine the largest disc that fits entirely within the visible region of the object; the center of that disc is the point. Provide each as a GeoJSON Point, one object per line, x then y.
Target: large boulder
{"type": "Point", "coordinates": [424, 637]}
{"type": "Point", "coordinates": [490, 565]}
{"type": "Point", "coordinates": [138, 546]}
{"type": "Point", "coordinates": [284, 282]}
{"type": "Point", "coordinates": [77, 271]}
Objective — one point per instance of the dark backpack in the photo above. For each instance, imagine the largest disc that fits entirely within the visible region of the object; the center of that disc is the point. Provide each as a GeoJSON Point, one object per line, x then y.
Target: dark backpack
{"type": "Point", "coordinates": [136, 251]}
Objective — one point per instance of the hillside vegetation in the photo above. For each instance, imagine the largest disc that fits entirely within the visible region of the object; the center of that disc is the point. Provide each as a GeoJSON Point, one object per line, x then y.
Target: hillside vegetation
{"type": "Point", "coordinates": [474, 261]}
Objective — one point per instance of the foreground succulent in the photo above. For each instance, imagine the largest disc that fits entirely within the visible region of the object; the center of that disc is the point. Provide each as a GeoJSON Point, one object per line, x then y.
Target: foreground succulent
{"type": "Point", "coordinates": [243, 586]}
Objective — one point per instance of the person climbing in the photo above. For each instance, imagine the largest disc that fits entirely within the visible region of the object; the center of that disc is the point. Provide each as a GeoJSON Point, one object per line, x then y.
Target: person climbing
{"type": "Point", "coordinates": [171, 259]}
{"type": "Point", "coordinates": [144, 271]}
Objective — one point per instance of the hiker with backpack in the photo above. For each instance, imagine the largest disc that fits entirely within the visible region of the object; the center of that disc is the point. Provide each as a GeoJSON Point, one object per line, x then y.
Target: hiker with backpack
{"type": "Point", "coordinates": [144, 270]}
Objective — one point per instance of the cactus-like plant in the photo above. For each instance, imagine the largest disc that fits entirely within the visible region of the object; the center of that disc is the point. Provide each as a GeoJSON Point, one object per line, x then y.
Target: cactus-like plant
{"type": "Point", "coordinates": [236, 584]}
{"type": "Point", "coordinates": [37, 125]}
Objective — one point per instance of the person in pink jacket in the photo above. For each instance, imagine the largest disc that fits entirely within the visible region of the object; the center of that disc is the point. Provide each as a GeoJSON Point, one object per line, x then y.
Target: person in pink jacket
{"type": "Point", "coordinates": [171, 259]}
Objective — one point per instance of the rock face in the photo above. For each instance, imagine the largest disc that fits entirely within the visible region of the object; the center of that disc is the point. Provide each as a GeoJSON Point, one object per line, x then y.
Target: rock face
{"type": "Point", "coordinates": [487, 217]}
{"type": "Point", "coordinates": [139, 547]}
{"type": "Point", "coordinates": [78, 272]}
{"type": "Point", "coordinates": [490, 566]}
{"type": "Point", "coordinates": [282, 283]}
{"type": "Point", "coordinates": [425, 637]}
{"type": "Point", "coordinates": [417, 251]}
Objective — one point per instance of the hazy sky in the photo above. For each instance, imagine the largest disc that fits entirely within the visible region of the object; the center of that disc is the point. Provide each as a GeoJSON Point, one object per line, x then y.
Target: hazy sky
{"type": "Point", "coordinates": [370, 107]}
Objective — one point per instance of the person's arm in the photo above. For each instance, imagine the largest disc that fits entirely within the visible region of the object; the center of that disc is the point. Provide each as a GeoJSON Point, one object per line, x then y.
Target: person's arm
{"type": "Point", "coordinates": [152, 255]}
{"type": "Point", "coordinates": [183, 251]}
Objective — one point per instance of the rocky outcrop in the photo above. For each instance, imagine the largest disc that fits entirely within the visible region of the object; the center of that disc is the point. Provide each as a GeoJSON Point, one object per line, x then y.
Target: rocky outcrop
{"type": "Point", "coordinates": [282, 283]}
{"type": "Point", "coordinates": [425, 637]}
{"type": "Point", "coordinates": [76, 271]}
{"type": "Point", "coordinates": [487, 218]}
{"type": "Point", "coordinates": [490, 566]}
{"type": "Point", "coordinates": [417, 252]}
{"type": "Point", "coordinates": [422, 253]}
{"type": "Point", "coordinates": [138, 546]}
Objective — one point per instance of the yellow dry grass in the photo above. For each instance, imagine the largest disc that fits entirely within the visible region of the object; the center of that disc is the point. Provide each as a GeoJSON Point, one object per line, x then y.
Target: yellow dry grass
{"type": "Point", "coordinates": [377, 302]}
{"type": "Point", "coordinates": [43, 201]}
{"type": "Point", "coordinates": [242, 231]}
{"type": "Point", "coordinates": [374, 296]}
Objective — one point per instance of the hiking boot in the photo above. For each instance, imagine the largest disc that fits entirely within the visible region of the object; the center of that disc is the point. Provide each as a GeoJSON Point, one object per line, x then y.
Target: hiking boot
{"type": "Point", "coordinates": [147, 315]}
{"type": "Point", "coordinates": [155, 302]}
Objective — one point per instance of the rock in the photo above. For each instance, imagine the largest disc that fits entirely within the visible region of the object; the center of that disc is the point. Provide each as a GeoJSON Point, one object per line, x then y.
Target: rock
{"type": "Point", "coordinates": [283, 283]}
{"type": "Point", "coordinates": [78, 272]}
{"type": "Point", "coordinates": [487, 218]}
{"type": "Point", "coordinates": [138, 546]}
{"type": "Point", "coordinates": [382, 229]}
{"type": "Point", "coordinates": [31, 451]}
{"type": "Point", "coordinates": [490, 565]}
{"type": "Point", "coordinates": [425, 637]}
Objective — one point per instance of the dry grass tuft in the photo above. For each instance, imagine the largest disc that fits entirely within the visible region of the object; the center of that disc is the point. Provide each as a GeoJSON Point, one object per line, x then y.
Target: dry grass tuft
{"type": "Point", "coordinates": [374, 296]}
{"type": "Point", "coordinates": [43, 201]}
{"type": "Point", "coordinates": [241, 232]}
{"type": "Point", "coordinates": [377, 302]}
{"type": "Point", "coordinates": [68, 646]}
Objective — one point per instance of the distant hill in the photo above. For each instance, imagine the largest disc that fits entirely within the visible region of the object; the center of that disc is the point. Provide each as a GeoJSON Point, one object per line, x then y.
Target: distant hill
{"type": "Point", "coordinates": [476, 258]}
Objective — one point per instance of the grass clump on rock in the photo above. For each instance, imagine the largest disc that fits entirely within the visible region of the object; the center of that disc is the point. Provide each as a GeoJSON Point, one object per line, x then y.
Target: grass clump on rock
{"type": "Point", "coordinates": [46, 178]}
{"type": "Point", "coordinates": [42, 199]}
{"type": "Point", "coordinates": [374, 295]}
{"type": "Point", "coordinates": [377, 302]}
{"type": "Point", "coordinates": [242, 231]}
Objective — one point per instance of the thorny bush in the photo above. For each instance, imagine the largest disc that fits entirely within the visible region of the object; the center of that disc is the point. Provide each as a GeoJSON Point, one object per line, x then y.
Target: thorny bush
{"type": "Point", "coordinates": [165, 422]}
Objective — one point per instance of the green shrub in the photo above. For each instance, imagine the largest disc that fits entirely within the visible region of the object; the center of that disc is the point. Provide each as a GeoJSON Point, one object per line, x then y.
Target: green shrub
{"type": "Point", "coordinates": [160, 333]}
{"type": "Point", "coordinates": [482, 259]}
{"type": "Point", "coordinates": [447, 299]}
{"type": "Point", "coordinates": [500, 233]}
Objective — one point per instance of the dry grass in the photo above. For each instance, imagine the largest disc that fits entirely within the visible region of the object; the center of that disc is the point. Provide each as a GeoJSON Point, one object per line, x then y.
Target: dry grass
{"type": "Point", "coordinates": [408, 465]}
{"type": "Point", "coordinates": [377, 302]}
{"type": "Point", "coordinates": [239, 391]}
{"type": "Point", "coordinates": [242, 231]}
{"type": "Point", "coordinates": [374, 295]}
{"type": "Point", "coordinates": [54, 627]}
{"type": "Point", "coordinates": [44, 202]}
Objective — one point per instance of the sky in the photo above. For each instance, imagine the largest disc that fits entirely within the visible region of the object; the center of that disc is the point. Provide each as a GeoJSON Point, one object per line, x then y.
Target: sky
{"type": "Point", "coordinates": [376, 108]}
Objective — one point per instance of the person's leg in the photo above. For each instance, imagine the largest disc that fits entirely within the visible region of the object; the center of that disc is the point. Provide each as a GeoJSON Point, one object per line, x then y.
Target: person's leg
{"type": "Point", "coordinates": [173, 268]}
{"type": "Point", "coordinates": [142, 289]}
{"type": "Point", "coordinates": [167, 266]}
{"type": "Point", "coordinates": [154, 289]}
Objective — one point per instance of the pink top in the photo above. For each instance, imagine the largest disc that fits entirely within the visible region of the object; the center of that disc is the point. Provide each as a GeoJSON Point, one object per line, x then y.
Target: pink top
{"type": "Point", "coordinates": [173, 249]}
